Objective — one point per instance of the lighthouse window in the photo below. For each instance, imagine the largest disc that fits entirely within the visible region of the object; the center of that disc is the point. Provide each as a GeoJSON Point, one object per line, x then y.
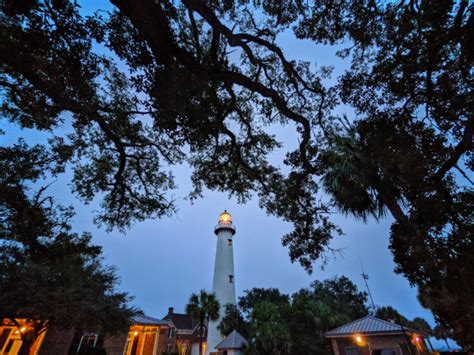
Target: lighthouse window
{"type": "Point", "coordinates": [231, 279]}
{"type": "Point", "coordinates": [229, 241]}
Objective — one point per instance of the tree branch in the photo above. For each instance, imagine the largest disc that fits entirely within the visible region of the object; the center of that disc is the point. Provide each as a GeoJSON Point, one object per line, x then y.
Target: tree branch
{"type": "Point", "coordinates": [465, 144]}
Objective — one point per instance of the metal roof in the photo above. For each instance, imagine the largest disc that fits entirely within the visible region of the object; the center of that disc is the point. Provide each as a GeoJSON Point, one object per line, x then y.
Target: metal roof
{"type": "Point", "coordinates": [368, 325]}
{"type": "Point", "coordinates": [233, 341]}
{"type": "Point", "coordinates": [147, 320]}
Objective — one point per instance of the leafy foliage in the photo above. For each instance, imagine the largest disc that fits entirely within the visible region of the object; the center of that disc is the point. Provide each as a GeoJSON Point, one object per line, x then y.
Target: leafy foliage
{"type": "Point", "coordinates": [203, 307]}
{"type": "Point", "coordinates": [390, 314]}
{"type": "Point", "coordinates": [48, 274]}
{"type": "Point", "coordinates": [202, 83]}
{"type": "Point", "coordinates": [441, 332]}
{"type": "Point", "coordinates": [275, 323]}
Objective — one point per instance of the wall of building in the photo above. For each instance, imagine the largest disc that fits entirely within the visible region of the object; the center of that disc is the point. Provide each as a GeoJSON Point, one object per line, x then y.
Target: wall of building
{"type": "Point", "coordinates": [63, 342]}
{"type": "Point", "coordinates": [163, 335]}
{"type": "Point", "coordinates": [397, 342]}
{"type": "Point", "coordinates": [114, 344]}
{"type": "Point", "coordinates": [56, 341]}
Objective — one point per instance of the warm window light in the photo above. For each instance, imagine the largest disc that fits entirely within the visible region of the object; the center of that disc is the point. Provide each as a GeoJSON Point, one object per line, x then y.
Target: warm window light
{"type": "Point", "coordinates": [225, 217]}
{"type": "Point", "coordinates": [22, 330]}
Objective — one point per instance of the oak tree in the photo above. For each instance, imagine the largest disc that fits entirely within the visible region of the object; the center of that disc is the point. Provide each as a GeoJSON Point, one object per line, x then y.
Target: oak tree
{"type": "Point", "coordinates": [154, 84]}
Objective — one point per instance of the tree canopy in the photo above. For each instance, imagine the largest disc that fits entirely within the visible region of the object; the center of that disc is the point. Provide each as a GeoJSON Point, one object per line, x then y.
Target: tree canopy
{"type": "Point", "coordinates": [276, 323]}
{"type": "Point", "coordinates": [389, 314]}
{"type": "Point", "coordinates": [50, 276]}
{"type": "Point", "coordinates": [154, 84]}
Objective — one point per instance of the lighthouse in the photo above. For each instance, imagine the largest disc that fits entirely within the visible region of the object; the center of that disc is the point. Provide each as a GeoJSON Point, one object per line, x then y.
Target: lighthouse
{"type": "Point", "coordinates": [223, 284]}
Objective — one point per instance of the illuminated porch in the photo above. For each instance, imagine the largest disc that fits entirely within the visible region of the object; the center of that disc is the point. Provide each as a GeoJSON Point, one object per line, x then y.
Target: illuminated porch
{"type": "Point", "coordinates": [14, 335]}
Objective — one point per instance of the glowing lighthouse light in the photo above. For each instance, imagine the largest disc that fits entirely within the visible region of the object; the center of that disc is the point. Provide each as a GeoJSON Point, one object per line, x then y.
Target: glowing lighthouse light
{"type": "Point", "coordinates": [223, 284]}
{"type": "Point", "coordinates": [225, 217]}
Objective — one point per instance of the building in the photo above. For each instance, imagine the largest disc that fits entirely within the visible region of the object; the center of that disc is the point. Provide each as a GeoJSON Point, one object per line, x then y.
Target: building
{"type": "Point", "coordinates": [232, 344]}
{"type": "Point", "coordinates": [146, 336]}
{"type": "Point", "coordinates": [13, 334]}
{"type": "Point", "coordinates": [224, 278]}
{"type": "Point", "coordinates": [373, 336]}
{"type": "Point", "coordinates": [183, 334]}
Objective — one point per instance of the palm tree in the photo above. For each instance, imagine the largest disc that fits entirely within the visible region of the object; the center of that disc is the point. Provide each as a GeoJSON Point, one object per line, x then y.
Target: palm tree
{"type": "Point", "coordinates": [441, 332]}
{"type": "Point", "coordinates": [200, 307]}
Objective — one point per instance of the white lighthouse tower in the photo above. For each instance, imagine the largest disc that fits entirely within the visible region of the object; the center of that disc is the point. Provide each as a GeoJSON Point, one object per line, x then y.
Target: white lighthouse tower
{"type": "Point", "coordinates": [224, 279]}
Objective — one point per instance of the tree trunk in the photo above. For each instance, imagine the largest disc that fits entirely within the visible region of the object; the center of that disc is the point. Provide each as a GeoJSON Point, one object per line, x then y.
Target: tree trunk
{"type": "Point", "coordinates": [201, 325]}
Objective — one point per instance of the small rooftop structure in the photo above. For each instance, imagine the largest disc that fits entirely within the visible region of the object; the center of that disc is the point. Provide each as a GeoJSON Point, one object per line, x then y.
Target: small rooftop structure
{"type": "Point", "coordinates": [233, 341]}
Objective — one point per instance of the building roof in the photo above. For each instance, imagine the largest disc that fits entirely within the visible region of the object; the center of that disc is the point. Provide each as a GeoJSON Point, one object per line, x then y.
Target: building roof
{"type": "Point", "coordinates": [233, 341]}
{"type": "Point", "coordinates": [368, 325]}
{"type": "Point", "coordinates": [181, 321]}
{"type": "Point", "coordinates": [147, 320]}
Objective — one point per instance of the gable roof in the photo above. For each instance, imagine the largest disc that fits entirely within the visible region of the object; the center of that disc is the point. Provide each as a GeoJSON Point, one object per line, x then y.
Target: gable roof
{"type": "Point", "coordinates": [147, 320]}
{"type": "Point", "coordinates": [369, 325]}
{"type": "Point", "coordinates": [233, 341]}
{"type": "Point", "coordinates": [180, 321]}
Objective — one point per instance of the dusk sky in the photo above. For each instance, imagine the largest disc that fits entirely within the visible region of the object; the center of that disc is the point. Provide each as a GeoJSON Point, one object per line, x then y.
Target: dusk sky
{"type": "Point", "coordinates": [161, 262]}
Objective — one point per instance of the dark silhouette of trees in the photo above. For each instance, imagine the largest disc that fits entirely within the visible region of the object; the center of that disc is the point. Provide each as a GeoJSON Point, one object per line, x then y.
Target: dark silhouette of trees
{"type": "Point", "coordinates": [275, 323]}
{"type": "Point", "coordinates": [200, 83]}
{"type": "Point", "coordinates": [390, 314]}
{"type": "Point", "coordinates": [49, 276]}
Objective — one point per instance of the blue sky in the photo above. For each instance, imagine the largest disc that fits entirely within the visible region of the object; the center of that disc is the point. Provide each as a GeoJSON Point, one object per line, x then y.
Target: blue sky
{"type": "Point", "coordinates": [161, 262]}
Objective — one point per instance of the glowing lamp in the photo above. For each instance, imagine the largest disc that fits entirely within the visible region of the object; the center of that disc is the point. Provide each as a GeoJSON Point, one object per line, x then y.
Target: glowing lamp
{"type": "Point", "coordinates": [417, 339]}
{"type": "Point", "coordinates": [225, 217]}
{"type": "Point", "coordinates": [135, 334]}
{"type": "Point", "coordinates": [23, 329]}
{"type": "Point", "coordinates": [358, 339]}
